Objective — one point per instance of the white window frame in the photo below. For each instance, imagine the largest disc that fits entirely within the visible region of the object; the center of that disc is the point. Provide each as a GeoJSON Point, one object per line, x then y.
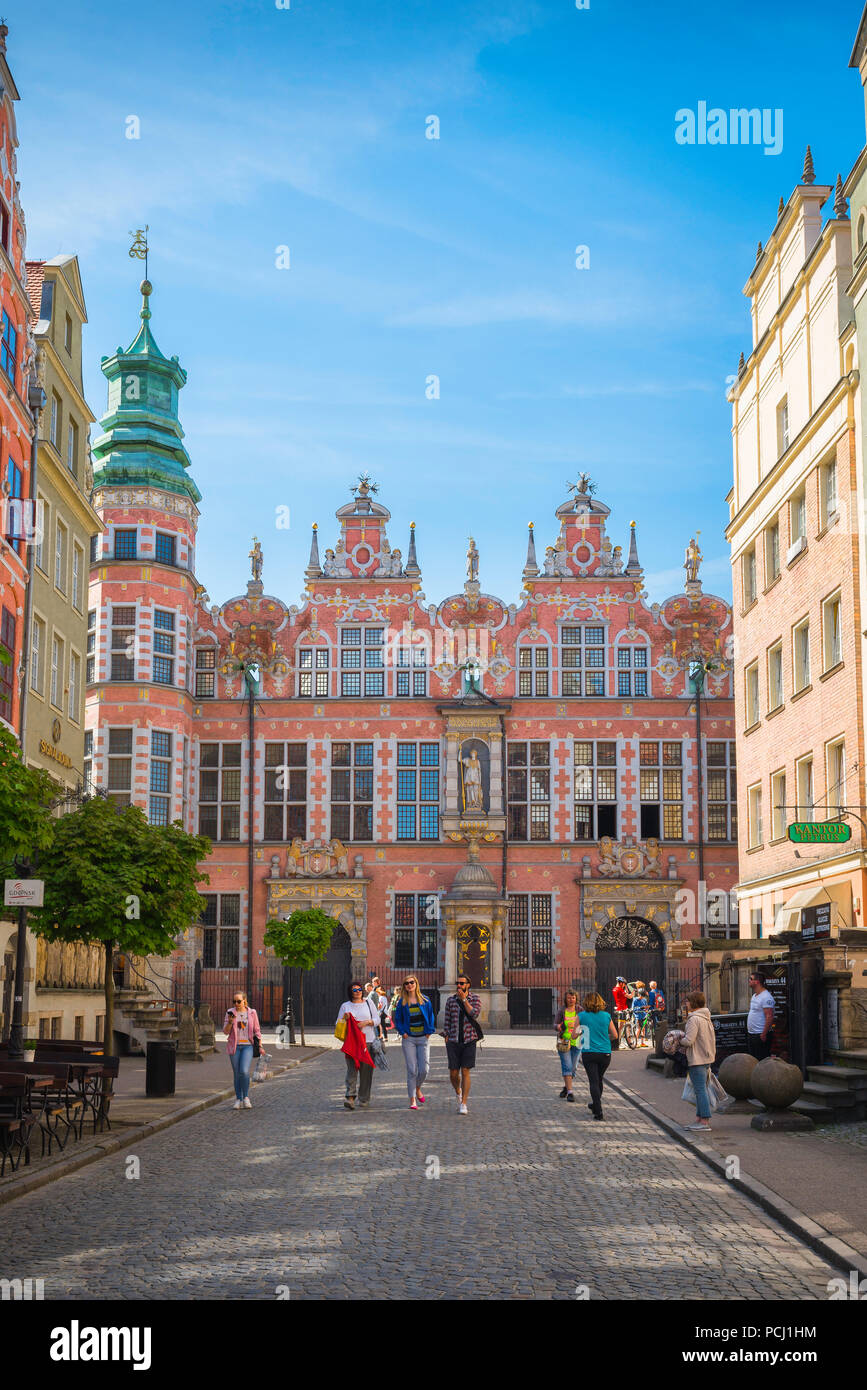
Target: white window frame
{"type": "Point", "coordinates": [752, 707]}
{"type": "Point", "coordinates": [779, 809]}
{"type": "Point", "coordinates": [782, 426]}
{"type": "Point", "coordinates": [37, 655]}
{"type": "Point", "coordinates": [61, 562]}
{"type": "Point", "coordinates": [776, 687]}
{"type": "Point", "coordinates": [806, 790]}
{"type": "Point", "coordinates": [754, 815]}
{"type": "Point", "coordinates": [800, 668]}
{"type": "Point", "coordinates": [772, 553]}
{"type": "Point", "coordinates": [74, 686]}
{"type": "Point", "coordinates": [57, 660]}
{"type": "Point", "coordinates": [835, 777]}
{"type": "Point", "coordinates": [749, 577]}
{"type": "Point", "coordinates": [832, 635]}
{"type": "Point", "coordinates": [828, 486]}
{"type": "Point", "coordinates": [798, 516]}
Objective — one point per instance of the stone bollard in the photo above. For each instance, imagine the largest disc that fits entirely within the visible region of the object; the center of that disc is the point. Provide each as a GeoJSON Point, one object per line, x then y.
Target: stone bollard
{"type": "Point", "coordinates": [735, 1076]}
{"type": "Point", "coordinates": [778, 1085]}
{"type": "Point", "coordinates": [188, 1036]}
{"type": "Point", "coordinates": [207, 1030]}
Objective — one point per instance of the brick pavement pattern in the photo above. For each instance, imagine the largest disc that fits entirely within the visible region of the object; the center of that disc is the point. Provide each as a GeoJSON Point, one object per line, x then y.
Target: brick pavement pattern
{"type": "Point", "coordinates": [239, 1204]}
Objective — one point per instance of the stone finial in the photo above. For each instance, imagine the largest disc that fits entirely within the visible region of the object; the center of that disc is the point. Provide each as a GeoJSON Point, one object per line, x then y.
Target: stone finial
{"type": "Point", "coordinates": [781, 208]}
{"type": "Point", "coordinates": [531, 568]}
{"type": "Point", "coordinates": [633, 565]}
{"type": "Point", "coordinates": [741, 364]}
{"type": "Point", "coordinates": [841, 206]}
{"type": "Point", "coordinates": [314, 568]}
{"type": "Point", "coordinates": [411, 570]}
{"type": "Point", "coordinates": [809, 173]}
{"type": "Point", "coordinates": [759, 252]}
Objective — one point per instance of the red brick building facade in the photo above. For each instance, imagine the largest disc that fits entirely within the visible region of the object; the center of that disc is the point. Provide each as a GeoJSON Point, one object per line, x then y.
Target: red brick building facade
{"type": "Point", "coordinates": [17, 518]}
{"type": "Point", "coordinates": [504, 786]}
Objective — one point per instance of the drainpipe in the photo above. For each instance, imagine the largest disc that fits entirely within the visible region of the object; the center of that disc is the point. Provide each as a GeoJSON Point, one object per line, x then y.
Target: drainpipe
{"type": "Point", "coordinates": [505, 803]}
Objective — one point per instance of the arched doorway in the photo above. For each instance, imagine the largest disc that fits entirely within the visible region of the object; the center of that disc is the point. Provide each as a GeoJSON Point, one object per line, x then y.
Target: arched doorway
{"type": "Point", "coordinates": [326, 986]}
{"type": "Point", "coordinates": [632, 947]}
{"type": "Point", "coordinates": [474, 954]}
{"type": "Point", "coordinates": [8, 981]}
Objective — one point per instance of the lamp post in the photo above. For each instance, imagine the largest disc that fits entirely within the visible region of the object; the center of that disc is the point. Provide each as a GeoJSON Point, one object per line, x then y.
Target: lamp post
{"type": "Point", "coordinates": [253, 682]}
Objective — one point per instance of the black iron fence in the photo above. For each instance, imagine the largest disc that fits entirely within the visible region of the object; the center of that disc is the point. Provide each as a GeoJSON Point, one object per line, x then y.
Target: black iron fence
{"type": "Point", "coordinates": [534, 996]}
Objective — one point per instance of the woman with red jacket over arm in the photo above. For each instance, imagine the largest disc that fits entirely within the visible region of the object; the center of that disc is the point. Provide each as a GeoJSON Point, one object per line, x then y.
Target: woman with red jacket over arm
{"type": "Point", "coordinates": [241, 1026]}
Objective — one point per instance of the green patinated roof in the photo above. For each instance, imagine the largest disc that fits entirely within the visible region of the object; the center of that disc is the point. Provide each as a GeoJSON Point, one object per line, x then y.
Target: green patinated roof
{"type": "Point", "coordinates": [142, 437]}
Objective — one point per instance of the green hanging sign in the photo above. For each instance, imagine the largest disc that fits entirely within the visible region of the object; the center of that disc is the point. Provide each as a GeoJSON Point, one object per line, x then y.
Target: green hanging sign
{"type": "Point", "coordinates": [824, 832]}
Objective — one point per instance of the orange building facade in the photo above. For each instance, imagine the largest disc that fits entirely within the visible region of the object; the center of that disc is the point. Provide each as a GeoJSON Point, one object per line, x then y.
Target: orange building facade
{"type": "Point", "coordinates": [514, 788]}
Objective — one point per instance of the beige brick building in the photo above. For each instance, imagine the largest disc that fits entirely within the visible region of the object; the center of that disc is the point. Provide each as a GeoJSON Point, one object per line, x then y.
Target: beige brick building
{"type": "Point", "coordinates": [795, 540]}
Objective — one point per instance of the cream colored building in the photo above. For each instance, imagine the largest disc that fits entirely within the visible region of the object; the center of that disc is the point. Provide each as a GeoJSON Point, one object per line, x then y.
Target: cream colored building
{"type": "Point", "coordinates": [64, 996]}
{"type": "Point", "coordinates": [795, 536]}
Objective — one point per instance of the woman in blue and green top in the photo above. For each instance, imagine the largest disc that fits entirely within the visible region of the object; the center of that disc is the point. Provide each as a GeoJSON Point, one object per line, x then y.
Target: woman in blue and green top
{"type": "Point", "coordinates": [414, 1020]}
{"type": "Point", "coordinates": [569, 1030]}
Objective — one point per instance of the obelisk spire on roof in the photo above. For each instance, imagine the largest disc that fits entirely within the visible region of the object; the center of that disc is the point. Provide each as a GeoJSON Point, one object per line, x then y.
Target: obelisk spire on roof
{"type": "Point", "coordinates": [633, 565]}
{"type": "Point", "coordinates": [531, 568]}
{"type": "Point", "coordinates": [411, 569]}
{"type": "Point", "coordinates": [314, 568]}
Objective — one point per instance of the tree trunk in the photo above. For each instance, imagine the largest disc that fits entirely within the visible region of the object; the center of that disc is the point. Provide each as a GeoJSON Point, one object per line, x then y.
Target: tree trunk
{"type": "Point", "coordinates": [301, 986]}
{"type": "Point", "coordinates": [108, 1026]}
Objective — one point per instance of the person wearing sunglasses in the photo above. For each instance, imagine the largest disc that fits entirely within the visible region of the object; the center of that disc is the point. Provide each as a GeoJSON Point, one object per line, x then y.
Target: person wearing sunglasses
{"type": "Point", "coordinates": [366, 1016]}
{"type": "Point", "coordinates": [461, 1011]}
{"type": "Point", "coordinates": [241, 1026]}
{"type": "Point", "coordinates": [414, 1020]}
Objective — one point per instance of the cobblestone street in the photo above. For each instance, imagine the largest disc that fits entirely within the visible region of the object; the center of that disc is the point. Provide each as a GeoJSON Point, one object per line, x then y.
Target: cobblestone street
{"type": "Point", "coordinates": [300, 1193]}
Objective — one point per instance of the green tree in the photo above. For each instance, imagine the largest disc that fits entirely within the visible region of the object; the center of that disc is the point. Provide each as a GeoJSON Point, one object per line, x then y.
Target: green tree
{"type": "Point", "coordinates": [26, 825]}
{"type": "Point", "coordinates": [302, 941]}
{"type": "Point", "coordinates": [111, 877]}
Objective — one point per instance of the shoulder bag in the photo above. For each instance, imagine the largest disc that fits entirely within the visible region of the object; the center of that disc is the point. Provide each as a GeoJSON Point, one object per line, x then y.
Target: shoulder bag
{"type": "Point", "coordinates": [474, 1022]}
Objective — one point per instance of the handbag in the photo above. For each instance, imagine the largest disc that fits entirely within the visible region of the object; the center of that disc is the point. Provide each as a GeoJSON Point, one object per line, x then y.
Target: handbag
{"type": "Point", "coordinates": [340, 1029]}
{"type": "Point", "coordinates": [257, 1046]}
{"type": "Point", "coordinates": [563, 1045]}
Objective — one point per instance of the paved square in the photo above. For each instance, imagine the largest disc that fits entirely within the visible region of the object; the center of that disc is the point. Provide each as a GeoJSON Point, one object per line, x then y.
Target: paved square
{"type": "Point", "coordinates": [302, 1194]}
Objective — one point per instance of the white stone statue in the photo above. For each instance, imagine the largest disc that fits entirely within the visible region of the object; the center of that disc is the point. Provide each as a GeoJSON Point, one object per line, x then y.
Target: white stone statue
{"type": "Point", "coordinates": [473, 782]}
{"type": "Point", "coordinates": [472, 561]}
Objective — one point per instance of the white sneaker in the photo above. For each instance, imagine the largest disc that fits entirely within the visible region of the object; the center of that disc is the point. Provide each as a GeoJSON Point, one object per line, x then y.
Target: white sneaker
{"type": "Point", "coordinates": [237, 1105]}
{"type": "Point", "coordinates": [462, 1109]}
{"type": "Point", "coordinates": [247, 1103]}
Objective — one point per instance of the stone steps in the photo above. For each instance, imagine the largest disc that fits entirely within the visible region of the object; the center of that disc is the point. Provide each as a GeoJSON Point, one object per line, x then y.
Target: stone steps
{"type": "Point", "coordinates": [819, 1114]}
{"type": "Point", "coordinates": [856, 1060]}
{"type": "Point", "coordinates": [834, 1096]}
{"type": "Point", "coordinates": [843, 1077]}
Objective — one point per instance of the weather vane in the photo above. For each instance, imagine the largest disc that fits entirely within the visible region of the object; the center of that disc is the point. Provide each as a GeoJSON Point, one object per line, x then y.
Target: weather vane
{"type": "Point", "coordinates": [139, 248]}
{"type": "Point", "coordinates": [365, 486]}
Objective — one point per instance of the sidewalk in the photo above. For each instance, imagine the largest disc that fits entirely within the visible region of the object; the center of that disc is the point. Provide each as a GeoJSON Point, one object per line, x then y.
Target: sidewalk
{"type": "Point", "coordinates": [822, 1173]}
{"type": "Point", "coordinates": [134, 1115]}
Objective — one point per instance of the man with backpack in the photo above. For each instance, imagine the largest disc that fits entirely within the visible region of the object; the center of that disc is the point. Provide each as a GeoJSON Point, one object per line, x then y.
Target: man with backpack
{"type": "Point", "coordinates": [656, 999]}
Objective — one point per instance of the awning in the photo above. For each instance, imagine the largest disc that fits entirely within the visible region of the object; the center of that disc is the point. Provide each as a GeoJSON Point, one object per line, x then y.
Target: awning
{"type": "Point", "coordinates": [788, 917]}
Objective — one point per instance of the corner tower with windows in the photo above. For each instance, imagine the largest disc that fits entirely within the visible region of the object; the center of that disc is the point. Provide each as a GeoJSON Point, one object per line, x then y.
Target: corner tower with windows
{"type": "Point", "coordinates": [142, 588]}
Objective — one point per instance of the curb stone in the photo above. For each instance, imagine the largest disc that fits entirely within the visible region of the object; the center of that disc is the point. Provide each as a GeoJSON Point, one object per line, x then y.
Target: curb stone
{"type": "Point", "coordinates": [820, 1240]}
{"type": "Point", "coordinates": [31, 1182]}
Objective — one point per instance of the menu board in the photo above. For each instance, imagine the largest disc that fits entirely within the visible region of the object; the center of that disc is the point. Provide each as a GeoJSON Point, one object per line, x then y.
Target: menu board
{"type": "Point", "coordinates": [816, 922]}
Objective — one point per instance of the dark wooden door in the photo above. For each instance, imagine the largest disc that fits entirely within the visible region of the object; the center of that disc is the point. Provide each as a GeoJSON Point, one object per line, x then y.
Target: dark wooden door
{"type": "Point", "coordinates": [326, 986]}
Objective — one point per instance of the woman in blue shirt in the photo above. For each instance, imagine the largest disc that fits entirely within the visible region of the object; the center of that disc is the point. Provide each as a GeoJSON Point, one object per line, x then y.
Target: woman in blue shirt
{"type": "Point", "coordinates": [413, 1017]}
{"type": "Point", "coordinates": [596, 1055]}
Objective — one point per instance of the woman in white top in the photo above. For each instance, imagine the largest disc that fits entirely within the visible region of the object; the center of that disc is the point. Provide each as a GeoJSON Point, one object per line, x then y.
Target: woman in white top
{"type": "Point", "coordinates": [365, 1013]}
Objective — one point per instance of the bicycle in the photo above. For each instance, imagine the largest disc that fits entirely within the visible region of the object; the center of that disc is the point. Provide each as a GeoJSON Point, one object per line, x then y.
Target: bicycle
{"type": "Point", "coordinates": [628, 1030]}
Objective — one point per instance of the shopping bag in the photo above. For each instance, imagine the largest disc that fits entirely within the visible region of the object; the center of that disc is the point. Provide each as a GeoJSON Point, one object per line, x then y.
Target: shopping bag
{"type": "Point", "coordinates": [377, 1052]}
{"type": "Point", "coordinates": [262, 1072]}
{"type": "Point", "coordinates": [340, 1029]}
{"type": "Point", "coordinates": [688, 1092]}
{"type": "Point", "coordinates": [716, 1092]}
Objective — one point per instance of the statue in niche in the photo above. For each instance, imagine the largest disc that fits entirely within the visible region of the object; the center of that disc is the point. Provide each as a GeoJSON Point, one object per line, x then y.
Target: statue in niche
{"type": "Point", "coordinates": [396, 564]}
{"type": "Point", "coordinates": [472, 779]}
{"type": "Point", "coordinates": [548, 566]}
{"type": "Point", "coordinates": [472, 561]}
{"type": "Point", "coordinates": [617, 560]}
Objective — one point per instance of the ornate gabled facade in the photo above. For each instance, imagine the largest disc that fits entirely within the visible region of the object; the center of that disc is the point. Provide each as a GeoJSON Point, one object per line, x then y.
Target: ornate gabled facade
{"type": "Point", "coordinates": [500, 786]}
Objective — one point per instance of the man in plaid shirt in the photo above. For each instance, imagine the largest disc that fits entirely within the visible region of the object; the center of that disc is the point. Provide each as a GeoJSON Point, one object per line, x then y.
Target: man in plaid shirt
{"type": "Point", "coordinates": [461, 1038]}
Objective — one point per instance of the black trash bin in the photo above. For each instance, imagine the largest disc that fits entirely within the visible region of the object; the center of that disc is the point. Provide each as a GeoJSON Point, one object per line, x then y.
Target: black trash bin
{"type": "Point", "coordinates": [160, 1075]}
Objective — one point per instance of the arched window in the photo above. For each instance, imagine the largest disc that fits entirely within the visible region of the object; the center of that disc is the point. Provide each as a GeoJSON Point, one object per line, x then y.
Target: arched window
{"type": "Point", "coordinates": [861, 230]}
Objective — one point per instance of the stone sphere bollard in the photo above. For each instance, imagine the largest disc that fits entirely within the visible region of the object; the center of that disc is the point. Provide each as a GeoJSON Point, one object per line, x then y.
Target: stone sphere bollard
{"type": "Point", "coordinates": [735, 1074]}
{"type": "Point", "coordinates": [776, 1084]}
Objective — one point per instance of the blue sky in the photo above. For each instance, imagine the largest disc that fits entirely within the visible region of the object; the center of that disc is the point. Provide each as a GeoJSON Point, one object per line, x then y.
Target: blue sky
{"type": "Point", "coordinates": [263, 127]}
